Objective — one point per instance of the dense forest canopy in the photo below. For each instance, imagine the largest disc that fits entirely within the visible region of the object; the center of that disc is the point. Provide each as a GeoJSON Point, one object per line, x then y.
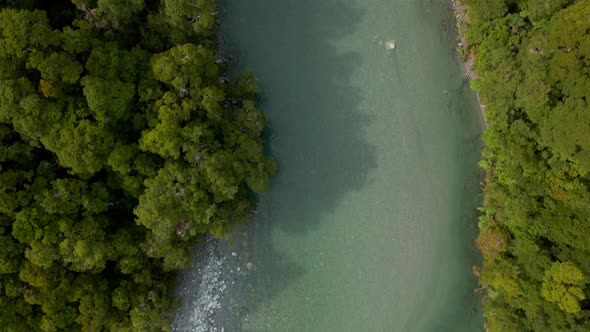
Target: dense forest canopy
{"type": "Point", "coordinates": [122, 144]}
{"type": "Point", "coordinates": [534, 60]}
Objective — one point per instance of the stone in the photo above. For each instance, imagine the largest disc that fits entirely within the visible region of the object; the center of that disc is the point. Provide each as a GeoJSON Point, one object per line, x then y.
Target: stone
{"type": "Point", "coordinates": [390, 45]}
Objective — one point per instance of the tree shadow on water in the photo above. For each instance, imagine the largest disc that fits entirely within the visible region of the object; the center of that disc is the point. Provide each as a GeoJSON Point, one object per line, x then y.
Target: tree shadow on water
{"type": "Point", "coordinates": [297, 51]}
{"type": "Point", "coordinates": [316, 127]}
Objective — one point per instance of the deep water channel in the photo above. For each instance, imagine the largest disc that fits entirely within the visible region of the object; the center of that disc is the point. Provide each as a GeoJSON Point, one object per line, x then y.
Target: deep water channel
{"type": "Point", "coordinates": [370, 223]}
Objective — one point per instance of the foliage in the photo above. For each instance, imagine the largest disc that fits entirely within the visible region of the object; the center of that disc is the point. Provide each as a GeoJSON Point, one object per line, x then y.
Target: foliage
{"type": "Point", "coordinates": [122, 146]}
{"type": "Point", "coordinates": [533, 57]}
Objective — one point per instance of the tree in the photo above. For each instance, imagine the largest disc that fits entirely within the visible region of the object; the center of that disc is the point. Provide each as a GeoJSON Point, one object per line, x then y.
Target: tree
{"type": "Point", "coordinates": [187, 66]}
{"type": "Point", "coordinates": [119, 12]}
{"type": "Point", "coordinates": [11, 93]}
{"type": "Point", "coordinates": [58, 66]}
{"type": "Point", "coordinates": [24, 31]}
{"type": "Point", "coordinates": [83, 147]}
{"type": "Point", "coordinates": [563, 284]}
{"type": "Point", "coordinates": [534, 83]}
{"type": "Point", "coordinates": [121, 147]}
{"type": "Point", "coordinates": [108, 100]}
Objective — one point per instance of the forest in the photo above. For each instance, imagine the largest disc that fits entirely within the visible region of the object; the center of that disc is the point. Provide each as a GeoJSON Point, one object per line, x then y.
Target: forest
{"type": "Point", "coordinates": [533, 58]}
{"type": "Point", "coordinates": [124, 142]}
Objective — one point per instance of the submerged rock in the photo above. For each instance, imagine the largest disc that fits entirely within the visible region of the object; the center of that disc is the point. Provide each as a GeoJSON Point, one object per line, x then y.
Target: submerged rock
{"type": "Point", "coordinates": [202, 289]}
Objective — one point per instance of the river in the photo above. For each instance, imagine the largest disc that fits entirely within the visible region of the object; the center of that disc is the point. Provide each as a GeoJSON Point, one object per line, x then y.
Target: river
{"type": "Point", "coordinates": [370, 223]}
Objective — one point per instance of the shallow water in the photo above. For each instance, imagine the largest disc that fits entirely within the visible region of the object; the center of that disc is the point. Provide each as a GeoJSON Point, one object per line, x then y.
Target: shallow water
{"type": "Point", "coordinates": [369, 225]}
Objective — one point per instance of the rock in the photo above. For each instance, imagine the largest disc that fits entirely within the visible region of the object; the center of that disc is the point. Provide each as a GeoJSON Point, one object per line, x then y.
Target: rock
{"type": "Point", "coordinates": [250, 266]}
{"type": "Point", "coordinates": [390, 45]}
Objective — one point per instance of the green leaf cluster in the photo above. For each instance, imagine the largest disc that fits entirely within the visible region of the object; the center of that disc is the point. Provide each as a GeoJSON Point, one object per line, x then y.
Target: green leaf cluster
{"type": "Point", "coordinates": [533, 57]}
{"type": "Point", "coordinates": [122, 145]}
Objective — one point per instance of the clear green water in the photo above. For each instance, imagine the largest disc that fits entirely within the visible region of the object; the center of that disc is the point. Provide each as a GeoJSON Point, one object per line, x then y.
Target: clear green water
{"type": "Point", "coordinates": [369, 226]}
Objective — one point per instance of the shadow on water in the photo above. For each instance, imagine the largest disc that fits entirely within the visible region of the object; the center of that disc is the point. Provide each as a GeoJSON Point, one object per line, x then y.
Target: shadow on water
{"type": "Point", "coordinates": [316, 129]}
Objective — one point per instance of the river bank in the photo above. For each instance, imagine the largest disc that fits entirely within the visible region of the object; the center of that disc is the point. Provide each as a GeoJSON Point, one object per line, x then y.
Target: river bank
{"type": "Point", "coordinates": [462, 20]}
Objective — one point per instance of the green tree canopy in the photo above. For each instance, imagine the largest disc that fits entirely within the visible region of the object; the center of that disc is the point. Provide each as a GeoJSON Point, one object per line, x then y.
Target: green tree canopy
{"type": "Point", "coordinates": [532, 56]}
{"type": "Point", "coordinates": [121, 148]}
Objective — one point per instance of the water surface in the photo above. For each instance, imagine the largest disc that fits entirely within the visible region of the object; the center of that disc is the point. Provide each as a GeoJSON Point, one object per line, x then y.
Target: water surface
{"type": "Point", "coordinates": [369, 225]}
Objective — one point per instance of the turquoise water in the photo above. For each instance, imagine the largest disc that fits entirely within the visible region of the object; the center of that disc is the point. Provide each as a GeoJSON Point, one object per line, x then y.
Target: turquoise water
{"type": "Point", "coordinates": [369, 225]}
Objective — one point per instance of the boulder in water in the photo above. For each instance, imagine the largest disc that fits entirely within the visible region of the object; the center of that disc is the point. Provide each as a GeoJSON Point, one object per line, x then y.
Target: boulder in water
{"type": "Point", "coordinates": [390, 45]}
